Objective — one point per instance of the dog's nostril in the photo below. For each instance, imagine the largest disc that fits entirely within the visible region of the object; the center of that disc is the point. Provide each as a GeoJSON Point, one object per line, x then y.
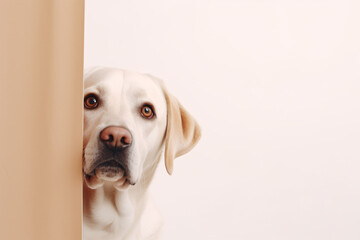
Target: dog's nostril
{"type": "Point", "coordinates": [111, 138]}
{"type": "Point", "coordinates": [125, 140]}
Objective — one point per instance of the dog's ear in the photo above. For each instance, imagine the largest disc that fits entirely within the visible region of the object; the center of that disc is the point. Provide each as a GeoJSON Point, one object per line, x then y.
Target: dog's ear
{"type": "Point", "coordinates": [182, 131]}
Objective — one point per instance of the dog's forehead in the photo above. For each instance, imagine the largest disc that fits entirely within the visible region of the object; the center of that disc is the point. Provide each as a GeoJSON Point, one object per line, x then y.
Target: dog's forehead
{"type": "Point", "coordinates": [98, 76]}
{"type": "Point", "coordinates": [122, 81]}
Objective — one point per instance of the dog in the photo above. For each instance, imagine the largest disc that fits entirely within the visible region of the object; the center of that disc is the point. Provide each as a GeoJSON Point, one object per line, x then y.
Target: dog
{"type": "Point", "coordinates": [130, 121]}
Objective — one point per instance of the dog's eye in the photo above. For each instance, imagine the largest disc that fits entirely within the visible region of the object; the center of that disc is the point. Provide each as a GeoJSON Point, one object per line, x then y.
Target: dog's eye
{"type": "Point", "coordinates": [91, 101]}
{"type": "Point", "coordinates": [147, 111]}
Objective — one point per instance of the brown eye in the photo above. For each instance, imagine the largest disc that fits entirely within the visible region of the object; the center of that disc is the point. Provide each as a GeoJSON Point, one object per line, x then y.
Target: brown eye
{"type": "Point", "coordinates": [147, 112]}
{"type": "Point", "coordinates": [91, 101]}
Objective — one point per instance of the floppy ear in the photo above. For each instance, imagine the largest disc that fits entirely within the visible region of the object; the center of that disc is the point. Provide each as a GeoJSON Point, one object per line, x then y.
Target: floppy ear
{"type": "Point", "coordinates": [182, 132]}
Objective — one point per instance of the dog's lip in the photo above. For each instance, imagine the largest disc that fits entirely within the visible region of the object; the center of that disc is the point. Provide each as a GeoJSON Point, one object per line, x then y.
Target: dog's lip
{"type": "Point", "coordinates": [109, 163]}
{"type": "Point", "coordinates": [93, 174]}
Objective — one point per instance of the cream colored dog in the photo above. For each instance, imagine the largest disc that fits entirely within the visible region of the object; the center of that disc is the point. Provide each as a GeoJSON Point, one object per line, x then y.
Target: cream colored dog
{"type": "Point", "coordinates": [129, 119]}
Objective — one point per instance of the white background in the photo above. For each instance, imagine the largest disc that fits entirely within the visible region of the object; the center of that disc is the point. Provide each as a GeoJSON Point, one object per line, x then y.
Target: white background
{"type": "Point", "coordinates": [275, 86]}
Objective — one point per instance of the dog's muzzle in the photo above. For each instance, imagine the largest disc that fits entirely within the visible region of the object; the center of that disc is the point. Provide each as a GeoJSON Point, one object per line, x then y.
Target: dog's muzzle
{"type": "Point", "coordinates": [113, 154]}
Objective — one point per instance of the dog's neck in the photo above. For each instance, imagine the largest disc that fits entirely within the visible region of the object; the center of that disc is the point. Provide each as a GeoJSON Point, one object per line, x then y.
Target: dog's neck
{"type": "Point", "coordinates": [111, 211]}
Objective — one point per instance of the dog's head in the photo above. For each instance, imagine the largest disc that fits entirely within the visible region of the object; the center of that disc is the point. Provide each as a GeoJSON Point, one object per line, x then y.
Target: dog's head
{"type": "Point", "coordinates": [128, 118]}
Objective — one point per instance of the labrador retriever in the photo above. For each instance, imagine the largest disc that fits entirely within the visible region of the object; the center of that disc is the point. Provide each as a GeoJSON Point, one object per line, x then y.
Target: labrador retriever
{"type": "Point", "coordinates": [130, 119]}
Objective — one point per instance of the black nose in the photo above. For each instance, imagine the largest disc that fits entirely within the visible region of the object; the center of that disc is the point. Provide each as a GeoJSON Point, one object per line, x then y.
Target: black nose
{"type": "Point", "coordinates": [116, 137]}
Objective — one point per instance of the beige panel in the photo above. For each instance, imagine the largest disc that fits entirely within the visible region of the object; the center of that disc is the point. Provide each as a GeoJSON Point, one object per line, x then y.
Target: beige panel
{"type": "Point", "coordinates": [41, 58]}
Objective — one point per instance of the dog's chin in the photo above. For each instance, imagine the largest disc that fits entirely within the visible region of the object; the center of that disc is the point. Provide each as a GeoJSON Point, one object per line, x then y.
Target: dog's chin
{"type": "Point", "coordinates": [105, 174]}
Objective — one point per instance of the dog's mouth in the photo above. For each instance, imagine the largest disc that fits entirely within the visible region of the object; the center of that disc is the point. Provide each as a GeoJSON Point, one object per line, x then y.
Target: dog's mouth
{"type": "Point", "coordinates": [108, 171]}
{"type": "Point", "coordinates": [109, 167]}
